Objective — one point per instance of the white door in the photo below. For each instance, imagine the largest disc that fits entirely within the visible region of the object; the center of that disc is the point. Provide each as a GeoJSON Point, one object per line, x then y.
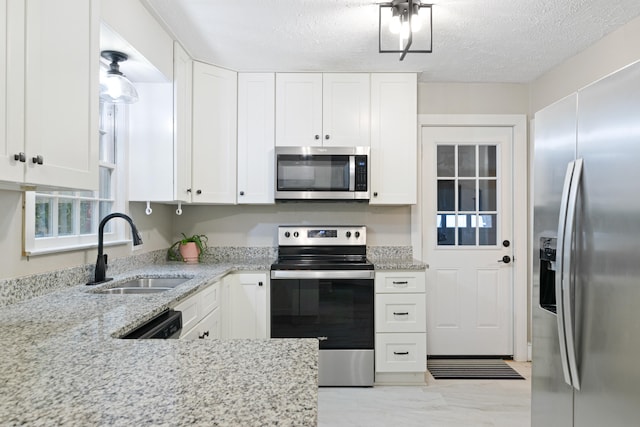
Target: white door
{"type": "Point", "coordinates": [467, 232]}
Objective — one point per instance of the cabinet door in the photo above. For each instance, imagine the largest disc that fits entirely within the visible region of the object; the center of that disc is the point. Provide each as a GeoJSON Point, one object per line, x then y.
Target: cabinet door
{"type": "Point", "coordinates": [207, 328]}
{"type": "Point", "coordinates": [248, 306]}
{"type": "Point", "coordinates": [256, 137]}
{"type": "Point", "coordinates": [298, 109]}
{"type": "Point", "coordinates": [214, 134]}
{"type": "Point", "coordinates": [346, 109]}
{"type": "Point", "coordinates": [11, 84]}
{"type": "Point", "coordinates": [394, 146]}
{"type": "Point", "coordinates": [182, 93]}
{"type": "Point", "coordinates": [62, 52]}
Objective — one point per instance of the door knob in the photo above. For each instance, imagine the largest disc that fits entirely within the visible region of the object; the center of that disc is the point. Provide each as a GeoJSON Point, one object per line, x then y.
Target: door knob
{"type": "Point", "coordinates": [506, 259]}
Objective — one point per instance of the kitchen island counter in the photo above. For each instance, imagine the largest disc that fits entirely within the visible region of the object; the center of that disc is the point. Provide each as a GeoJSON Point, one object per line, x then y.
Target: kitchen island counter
{"type": "Point", "coordinates": [61, 363]}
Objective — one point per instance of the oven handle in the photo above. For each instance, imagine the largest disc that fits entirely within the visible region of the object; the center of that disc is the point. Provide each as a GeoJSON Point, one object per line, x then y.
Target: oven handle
{"type": "Point", "coordinates": [322, 274]}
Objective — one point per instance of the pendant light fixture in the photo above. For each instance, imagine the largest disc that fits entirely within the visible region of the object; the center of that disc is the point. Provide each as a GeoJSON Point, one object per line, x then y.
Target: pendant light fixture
{"type": "Point", "coordinates": [405, 26]}
{"type": "Point", "coordinates": [114, 86]}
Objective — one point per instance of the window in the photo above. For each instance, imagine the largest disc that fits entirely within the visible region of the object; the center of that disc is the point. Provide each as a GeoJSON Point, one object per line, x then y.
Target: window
{"type": "Point", "coordinates": [66, 220]}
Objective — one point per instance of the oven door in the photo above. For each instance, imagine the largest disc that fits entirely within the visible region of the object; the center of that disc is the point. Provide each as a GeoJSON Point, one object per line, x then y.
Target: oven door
{"type": "Point", "coordinates": [337, 311]}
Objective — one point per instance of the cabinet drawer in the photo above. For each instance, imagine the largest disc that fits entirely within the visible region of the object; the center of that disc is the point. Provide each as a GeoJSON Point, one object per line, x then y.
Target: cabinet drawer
{"type": "Point", "coordinates": [190, 313]}
{"type": "Point", "coordinates": [400, 282]}
{"type": "Point", "coordinates": [401, 352]}
{"type": "Point", "coordinates": [210, 298]}
{"type": "Point", "coordinates": [401, 313]}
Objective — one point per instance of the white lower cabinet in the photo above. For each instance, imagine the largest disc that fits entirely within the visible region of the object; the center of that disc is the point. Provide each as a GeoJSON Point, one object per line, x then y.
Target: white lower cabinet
{"type": "Point", "coordinates": [201, 314]}
{"type": "Point", "coordinates": [247, 313]}
{"type": "Point", "coordinates": [401, 327]}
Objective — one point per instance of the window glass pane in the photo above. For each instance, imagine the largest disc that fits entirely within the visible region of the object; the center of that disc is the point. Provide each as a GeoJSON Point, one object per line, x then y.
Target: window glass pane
{"type": "Point", "coordinates": [467, 160]}
{"type": "Point", "coordinates": [487, 194]}
{"type": "Point", "coordinates": [66, 193]}
{"type": "Point", "coordinates": [446, 160]}
{"type": "Point", "coordinates": [487, 160]}
{"type": "Point", "coordinates": [65, 217]}
{"type": "Point", "coordinates": [44, 219]}
{"type": "Point", "coordinates": [446, 195]}
{"type": "Point", "coordinates": [467, 195]}
{"type": "Point", "coordinates": [466, 230]}
{"type": "Point", "coordinates": [488, 229]}
{"type": "Point", "coordinates": [105, 209]}
{"type": "Point", "coordinates": [88, 194]}
{"type": "Point", "coordinates": [446, 230]}
{"type": "Point", "coordinates": [87, 209]}
{"type": "Point", "coordinates": [105, 183]}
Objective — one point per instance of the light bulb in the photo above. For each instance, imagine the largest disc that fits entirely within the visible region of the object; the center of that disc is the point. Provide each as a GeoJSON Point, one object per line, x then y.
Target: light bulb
{"type": "Point", "coordinates": [394, 24]}
{"type": "Point", "coordinates": [404, 31]}
{"type": "Point", "coordinates": [114, 86]}
{"type": "Point", "coordinates": [416, 23]}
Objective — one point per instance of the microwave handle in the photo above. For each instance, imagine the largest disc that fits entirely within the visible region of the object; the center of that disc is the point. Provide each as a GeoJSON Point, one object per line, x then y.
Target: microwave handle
{"type": "Point", "coordinates": [352, 173]}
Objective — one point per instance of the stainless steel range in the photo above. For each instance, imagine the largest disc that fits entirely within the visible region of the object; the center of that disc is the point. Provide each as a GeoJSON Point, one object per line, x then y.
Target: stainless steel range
{"type": "Point", "coordinates": [322, 287]}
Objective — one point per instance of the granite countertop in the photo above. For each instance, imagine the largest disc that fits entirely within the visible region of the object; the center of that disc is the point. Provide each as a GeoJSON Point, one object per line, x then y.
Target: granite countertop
{"type": "Point", "coordinates": [394, 264]}
{"type": "Point", "coordinates": [60, 363]}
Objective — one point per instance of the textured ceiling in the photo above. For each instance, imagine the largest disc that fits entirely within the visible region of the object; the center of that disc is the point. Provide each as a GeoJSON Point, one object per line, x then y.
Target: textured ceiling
{"type": "Point", "coordinates": [473, 40]}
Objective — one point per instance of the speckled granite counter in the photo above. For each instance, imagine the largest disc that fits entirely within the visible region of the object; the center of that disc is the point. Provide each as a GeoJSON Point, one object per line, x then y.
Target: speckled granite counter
{"type": "Point", "coordinates": [391, 264]}
{"type": "Point", "coordinates": [61, 365]}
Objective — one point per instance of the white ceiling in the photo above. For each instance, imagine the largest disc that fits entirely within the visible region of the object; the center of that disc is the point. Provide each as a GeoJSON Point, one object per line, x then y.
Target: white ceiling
{"type": "Point", "coordinates": [473, 40]}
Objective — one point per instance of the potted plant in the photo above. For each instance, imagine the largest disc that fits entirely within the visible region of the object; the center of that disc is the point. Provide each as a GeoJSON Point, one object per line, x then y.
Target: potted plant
{"type": "Point", "coordinates": [188, 249]}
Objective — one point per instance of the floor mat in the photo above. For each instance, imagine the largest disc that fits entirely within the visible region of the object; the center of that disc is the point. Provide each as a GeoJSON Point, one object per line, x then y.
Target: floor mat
{"type": "Point", "coordinates": [471, 369]}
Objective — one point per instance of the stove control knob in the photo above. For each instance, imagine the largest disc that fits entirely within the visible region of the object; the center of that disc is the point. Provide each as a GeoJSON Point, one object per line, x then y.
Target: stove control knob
{"type": "Point", "coordinates": [296, 234]}
{"type": "Point", "coordinates": [357, 234]}
{"type": "Point", "coordinates": [348, 234]}
{"type": "Point", "coordinates": [287, 234]}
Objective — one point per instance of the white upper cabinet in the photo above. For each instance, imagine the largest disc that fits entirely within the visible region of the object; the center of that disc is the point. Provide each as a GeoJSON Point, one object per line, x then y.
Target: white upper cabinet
{"type": "Point", "coordinates": [394, 145]}
{"type": "Point", "coordinates": [314, 109]}
{"type": "Point", "coordinates": [346, 110]}
{"type": "Point", "coordinates": [256, 138]}
{"type": "Point", "coordinates": [182, 94]}
{"type": "Point", "coordinates": [56, 45]}
{"type": "Point", "coordinates": [214, 125]}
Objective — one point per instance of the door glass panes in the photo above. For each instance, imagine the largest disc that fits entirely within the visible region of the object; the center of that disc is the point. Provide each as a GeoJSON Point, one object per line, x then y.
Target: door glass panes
{"type": "Point", "coordinates": [487, 160]}
{"type": "Point", "coordinates": [467, 195]}
{"type": "Point", "coordinates": [466, 160]}
{"type": "Point", "coordinates": [446, 160]}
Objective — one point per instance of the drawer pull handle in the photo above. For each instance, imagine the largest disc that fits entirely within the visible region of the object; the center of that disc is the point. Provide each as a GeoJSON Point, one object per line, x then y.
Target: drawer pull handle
{"type": "Point", "coordinates": [404, 313]}
{"type": "Point", "coordinates": [404, 282]}
{"type": "Point", "coordinates": [400, 353]}
{"type": "Point", "coordinates": [204, 334]}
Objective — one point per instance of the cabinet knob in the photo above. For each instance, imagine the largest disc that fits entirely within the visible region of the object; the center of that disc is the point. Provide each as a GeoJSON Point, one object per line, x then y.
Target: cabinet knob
{"type": "Point", "coordinates": [375, 194]}
{"type": "Point", "coordinates": [188, 190]}
{"type": "Point", "coordinates": [260, 283]}
{"type": "Point", "coordinates": [242, 193]}
{"type": "Point", "coordinates": [198, 191]}
{"type": "Point", "coordinates": [326, 136]}
{"type": "Point", "coordinates": [20, 157]}
{"type": "Point", "coordinates": [38, 159]}
{"type": "Point", "coordinates": [317, 136]}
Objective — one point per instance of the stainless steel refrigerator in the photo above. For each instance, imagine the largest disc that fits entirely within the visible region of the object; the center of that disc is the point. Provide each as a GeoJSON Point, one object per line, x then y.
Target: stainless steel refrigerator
{"type": "Point", "coordinates": [586, 263]}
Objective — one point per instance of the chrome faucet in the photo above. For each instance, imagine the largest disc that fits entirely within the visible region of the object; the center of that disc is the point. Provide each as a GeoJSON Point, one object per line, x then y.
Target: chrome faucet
{"type": "Point", "coordinates": [101, 262]}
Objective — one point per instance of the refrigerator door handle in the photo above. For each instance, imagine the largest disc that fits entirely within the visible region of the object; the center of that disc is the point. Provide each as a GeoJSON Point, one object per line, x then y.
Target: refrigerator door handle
{"type": "Point", "coordinates": [567, 276]}
{"type": "Point", "coordinates": [560, 260]}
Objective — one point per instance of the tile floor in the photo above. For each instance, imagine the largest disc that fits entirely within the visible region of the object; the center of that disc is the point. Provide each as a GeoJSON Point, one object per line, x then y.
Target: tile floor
{"type": "Point", "coordinates": [441, 403]}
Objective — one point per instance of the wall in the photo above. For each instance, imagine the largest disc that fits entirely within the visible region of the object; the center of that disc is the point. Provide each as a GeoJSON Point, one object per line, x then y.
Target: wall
{"type": "Point", "coordinates": [612, 52]}
{"type": "Point", "coordinates": [472, 98]}
{"type": "Point", "coordinates": [155, 234]}
{"type": "Point", "coordinates": [253, 225]}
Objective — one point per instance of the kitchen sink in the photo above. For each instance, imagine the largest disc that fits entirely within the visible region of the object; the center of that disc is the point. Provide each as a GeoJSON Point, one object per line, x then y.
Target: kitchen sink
{"type": "Point", "coordinates": [122, 291]}
{"type": "Point", "coordinates": [144, 285]}
{"type": "Point", "coordinates": [154, 282]}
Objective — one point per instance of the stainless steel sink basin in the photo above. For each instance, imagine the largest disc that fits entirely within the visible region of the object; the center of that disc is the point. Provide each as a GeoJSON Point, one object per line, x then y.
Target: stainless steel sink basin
{"type": "Point", "coordinates": [123, 291]}
{"type": "Point", "coordinates": [144, 285]}
{"type": "Point", "coordinates": [154, 282]}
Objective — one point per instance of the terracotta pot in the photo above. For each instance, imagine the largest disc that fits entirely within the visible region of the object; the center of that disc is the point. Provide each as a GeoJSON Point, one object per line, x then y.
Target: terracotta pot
{"type": "Point", "coordinates": [189, 252]}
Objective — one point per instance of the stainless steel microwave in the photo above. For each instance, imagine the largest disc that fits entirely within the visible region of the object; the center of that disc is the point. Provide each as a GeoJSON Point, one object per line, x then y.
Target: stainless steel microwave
{"type": "Point", "coordinates": [322, 173]}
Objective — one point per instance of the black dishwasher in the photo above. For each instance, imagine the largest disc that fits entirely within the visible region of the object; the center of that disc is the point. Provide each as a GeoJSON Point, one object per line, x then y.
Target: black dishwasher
{"type": "Point", "coordinates": [166, 325]}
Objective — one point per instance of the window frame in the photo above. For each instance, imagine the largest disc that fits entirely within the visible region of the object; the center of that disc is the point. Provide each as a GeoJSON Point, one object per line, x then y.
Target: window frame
{"type": "Point", "coordinates": [116, 235]}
